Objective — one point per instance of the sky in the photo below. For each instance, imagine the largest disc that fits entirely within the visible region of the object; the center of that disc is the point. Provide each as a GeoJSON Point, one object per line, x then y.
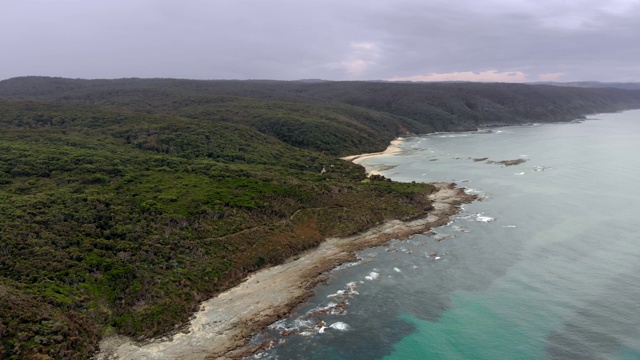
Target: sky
{"type": "Point", "coordinates": [404, 40]}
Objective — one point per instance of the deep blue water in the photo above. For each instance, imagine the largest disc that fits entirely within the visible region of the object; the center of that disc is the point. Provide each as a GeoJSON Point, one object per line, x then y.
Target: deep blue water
{"type": "Point", "coordinates": [547, 266]}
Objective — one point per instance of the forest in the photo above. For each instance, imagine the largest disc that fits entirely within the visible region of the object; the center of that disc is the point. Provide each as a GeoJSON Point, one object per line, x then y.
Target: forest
{"type": "Point", "coordinates": [125, 203]}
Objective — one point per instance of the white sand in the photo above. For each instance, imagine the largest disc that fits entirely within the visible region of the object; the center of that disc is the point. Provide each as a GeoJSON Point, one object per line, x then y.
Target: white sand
{"type": "Point", "coordinates": [393, 148]}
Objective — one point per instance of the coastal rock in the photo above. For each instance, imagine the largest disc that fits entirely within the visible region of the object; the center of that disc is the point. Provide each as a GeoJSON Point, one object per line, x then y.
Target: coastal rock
{"type": "Point", "coordinates": [501, 162]}
{"type": "Point", "coordinates": [508, 162]}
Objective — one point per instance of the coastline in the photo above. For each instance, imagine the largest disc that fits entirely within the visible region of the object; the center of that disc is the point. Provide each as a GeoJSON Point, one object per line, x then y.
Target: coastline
{"type": "Point", "coordinates": [393, 148]}
{"type": "Point", "coordinates": [222, 327]}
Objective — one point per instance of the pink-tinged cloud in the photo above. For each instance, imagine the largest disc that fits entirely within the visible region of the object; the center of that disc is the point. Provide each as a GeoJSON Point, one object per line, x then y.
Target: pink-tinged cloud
{"type": "Point", "coordinates": [550, 76]}
{"type": "Point", "coordinates": [484, 76]}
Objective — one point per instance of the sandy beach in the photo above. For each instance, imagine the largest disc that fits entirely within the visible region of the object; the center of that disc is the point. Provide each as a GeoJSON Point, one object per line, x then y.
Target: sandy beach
{"type": "Point", "coordinates": [393, 148]}
{"type": "Point", "coordinates": [222, 327]}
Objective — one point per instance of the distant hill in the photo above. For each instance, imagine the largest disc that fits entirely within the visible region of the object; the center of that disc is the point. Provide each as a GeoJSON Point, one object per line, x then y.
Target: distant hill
{"type": "Point", "coordinates": [595, 84]}
{"type": "Point", "coordinates": [368, 113]}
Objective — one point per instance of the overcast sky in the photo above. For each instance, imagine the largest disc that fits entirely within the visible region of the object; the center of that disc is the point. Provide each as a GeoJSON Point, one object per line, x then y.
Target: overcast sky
{"type": "Point", "coordinates": [480, 40]}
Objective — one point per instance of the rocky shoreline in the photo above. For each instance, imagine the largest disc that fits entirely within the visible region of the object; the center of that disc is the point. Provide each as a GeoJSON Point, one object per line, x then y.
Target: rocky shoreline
{"type": "Point", "coordinates": [222, 327]}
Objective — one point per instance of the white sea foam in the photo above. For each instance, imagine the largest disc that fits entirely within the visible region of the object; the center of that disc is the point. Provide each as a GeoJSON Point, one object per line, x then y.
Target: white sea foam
{"type": "Point", "coordinates": [260, 355]}
{"type": "Point", "coordinates": [519, 173]}
{"type": "Point", "coordinates": [280, 324]}
{"type": "Point", "coordinates": [349, 291]}
{"type": "Point", "coordinates": [396, 269]}
{"type": "Point", "coordinates": [337, 293]}
{"type": "Point", "coordinates": [508, 226]}
{"type": "Point", "coordinates": [347, 265]}
{"type": "Point", "coordinates": [332, 308]}
{"type": "Point", "coordinates": [478, 217]}
{"type": "Point", "coordinates": [295, 326]}
{"type": "Point", "coordinates": [453, 135]}
{"type": "Point", "coordinates": [341, 326]}
{"type": "Point", "coordinates": [372, 276]}
{"type": "Point", "coordinates": [472, 191]}
{"type": "Point", "coordinates": [483, 218]}
{"type": "Point", "coordinates": [541, 168]}
{"type": "Point", "coordinates": [306, 325]}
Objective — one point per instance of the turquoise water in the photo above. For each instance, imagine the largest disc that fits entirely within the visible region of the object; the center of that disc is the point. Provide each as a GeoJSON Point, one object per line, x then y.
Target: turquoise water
{"type": "Point", "coordinates": [547, 266]}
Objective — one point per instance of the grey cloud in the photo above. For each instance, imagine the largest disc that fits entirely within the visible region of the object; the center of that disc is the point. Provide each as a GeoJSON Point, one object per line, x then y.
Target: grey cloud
{"type": "Point", "coordinates": [439, 39]}
{"type": "Point", "coordinates": [285, 39]}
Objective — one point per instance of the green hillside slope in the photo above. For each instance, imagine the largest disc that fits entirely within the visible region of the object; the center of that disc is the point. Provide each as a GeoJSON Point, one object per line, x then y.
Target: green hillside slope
{"type": "Point", "coordinates": [124, 203]}
{"type": "Point", "coordinates": [115, 221]}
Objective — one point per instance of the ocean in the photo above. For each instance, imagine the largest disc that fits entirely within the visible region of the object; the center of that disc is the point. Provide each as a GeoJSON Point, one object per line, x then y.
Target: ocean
{"type": "Point", "coordinates": [545, 266]}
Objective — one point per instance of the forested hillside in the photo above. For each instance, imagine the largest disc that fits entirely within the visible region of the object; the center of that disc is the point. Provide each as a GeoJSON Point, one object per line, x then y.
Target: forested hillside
{"type": "Point", "coordinates": [345, 115]}
{"type": "Point", "coordinates": [124, 203]}
{"type": "Point", "coordinates": [596, 84]}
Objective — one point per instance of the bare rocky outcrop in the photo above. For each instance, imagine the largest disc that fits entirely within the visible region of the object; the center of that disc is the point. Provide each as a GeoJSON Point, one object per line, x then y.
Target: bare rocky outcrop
{"type": "Point", "coordinates": [501, 162]}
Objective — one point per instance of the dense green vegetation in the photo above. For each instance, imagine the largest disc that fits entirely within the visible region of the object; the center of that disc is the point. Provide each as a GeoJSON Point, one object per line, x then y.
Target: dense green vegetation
{"type": "Point", "coordinates": [124, 203]}
{"type": "Point", "coordinates": [385, 108]}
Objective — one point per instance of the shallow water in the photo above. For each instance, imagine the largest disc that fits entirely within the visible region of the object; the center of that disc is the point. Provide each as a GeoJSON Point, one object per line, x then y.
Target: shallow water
{"type": "Point", "coordinates": [547, 266]}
